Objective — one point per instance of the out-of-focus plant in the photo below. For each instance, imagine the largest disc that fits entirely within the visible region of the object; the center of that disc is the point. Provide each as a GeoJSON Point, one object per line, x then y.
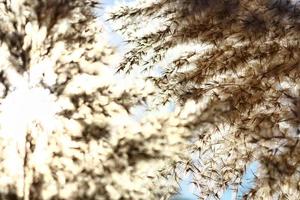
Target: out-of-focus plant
{"type": "Point", "coordinates": [236, 62]}
{"type": "Point", "coordinates": [65, 121]}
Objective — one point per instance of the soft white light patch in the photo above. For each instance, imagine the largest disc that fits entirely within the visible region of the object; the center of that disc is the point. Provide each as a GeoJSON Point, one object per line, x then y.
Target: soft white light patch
{"type": "Point", "coordinates": [25, 106]}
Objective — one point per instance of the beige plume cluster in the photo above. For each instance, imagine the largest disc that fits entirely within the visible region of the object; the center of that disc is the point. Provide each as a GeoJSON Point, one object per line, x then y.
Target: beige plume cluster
{"type": "Point", "coordinates": [66, 127]}
{"type": "Point", "coordinates": [237, 63]}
